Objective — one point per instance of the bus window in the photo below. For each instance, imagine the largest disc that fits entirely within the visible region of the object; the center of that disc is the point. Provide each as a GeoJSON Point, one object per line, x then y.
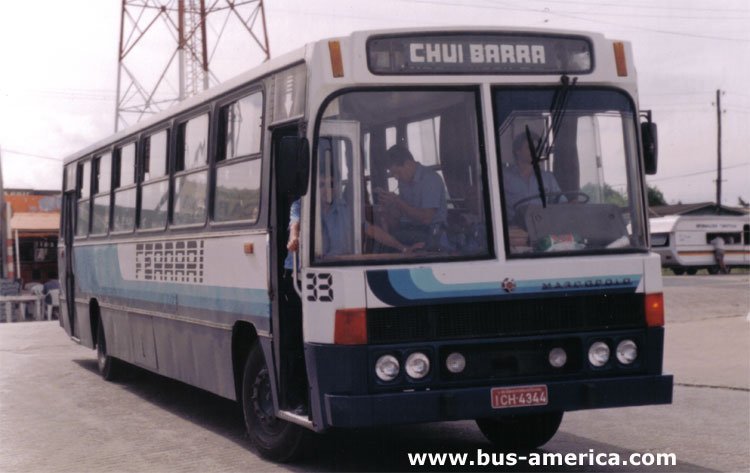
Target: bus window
{"type": "Point", "coordinates": [238, 168]}
{"type": "Point", "coordinates": [123, 215]}
{"type": "Point", "coordinates": [584, 163]}
{"type": "Point", "coordinates": [84, 192]}
{"type": "Point", "coordinates": [102, 169]}
{"type": "Point", "coordinates": [440, 131]}
{"type": "Point", "coordinates": [191, 173]}
{"type": "Point", "coordinates": [155, 187]}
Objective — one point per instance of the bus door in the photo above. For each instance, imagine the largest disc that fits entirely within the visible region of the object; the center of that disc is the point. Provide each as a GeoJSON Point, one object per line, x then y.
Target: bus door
{"type": "Point", "coordinates": [286, 321]}
{"type": "Point", "coordinates": [65, 262]}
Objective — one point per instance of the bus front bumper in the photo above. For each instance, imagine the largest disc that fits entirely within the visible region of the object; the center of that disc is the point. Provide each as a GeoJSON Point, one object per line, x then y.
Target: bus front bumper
{"type": "Point", "coordinates": [475, 402]}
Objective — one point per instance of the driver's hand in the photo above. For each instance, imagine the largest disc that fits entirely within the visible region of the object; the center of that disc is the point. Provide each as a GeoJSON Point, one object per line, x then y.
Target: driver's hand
{"type": "Point", "coordinates": [518, 236]}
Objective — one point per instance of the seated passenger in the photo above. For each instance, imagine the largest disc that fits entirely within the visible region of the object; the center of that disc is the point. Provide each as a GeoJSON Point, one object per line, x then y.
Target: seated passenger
{"type": "Point", "coordinates": [418, 213]}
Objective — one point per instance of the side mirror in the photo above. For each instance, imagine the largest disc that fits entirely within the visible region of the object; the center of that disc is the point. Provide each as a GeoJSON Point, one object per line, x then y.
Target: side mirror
{"type": "Point", "coordinates": [293, 165]}
{"type": "Point", "coordinates": [650, 146]}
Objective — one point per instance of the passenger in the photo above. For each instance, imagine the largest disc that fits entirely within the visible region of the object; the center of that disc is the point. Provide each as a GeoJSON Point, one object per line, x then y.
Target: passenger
{"type": "Point", "coordinates": [418, 213]}
{"type": "Point", "coordinates": [718, 244]}
{"type": "Point", "coordinates": [337, 226]}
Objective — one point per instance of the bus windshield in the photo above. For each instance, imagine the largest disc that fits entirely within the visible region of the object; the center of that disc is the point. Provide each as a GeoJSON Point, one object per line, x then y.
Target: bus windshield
{"type": "Point", "coordinates": [572, 185]}
{"type": "Point", "coordinates": [399, 177]}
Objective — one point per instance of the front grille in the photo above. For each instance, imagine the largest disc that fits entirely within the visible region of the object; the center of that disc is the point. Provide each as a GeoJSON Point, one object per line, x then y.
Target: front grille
{"type": "Point", "coordinates": [505, 318]}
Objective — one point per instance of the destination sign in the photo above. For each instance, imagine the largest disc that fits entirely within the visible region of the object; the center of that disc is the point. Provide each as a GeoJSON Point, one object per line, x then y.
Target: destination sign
{"type": "Point", "coordinates": [479, 53]}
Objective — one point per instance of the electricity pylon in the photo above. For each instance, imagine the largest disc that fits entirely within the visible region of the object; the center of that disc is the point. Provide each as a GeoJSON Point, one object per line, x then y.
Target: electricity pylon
{"type": "Point", "coordinates": [168, 49]}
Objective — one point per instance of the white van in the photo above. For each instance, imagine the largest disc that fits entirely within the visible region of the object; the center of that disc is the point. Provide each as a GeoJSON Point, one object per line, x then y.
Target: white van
{"type": "Point", "coordinates": [684, 241]}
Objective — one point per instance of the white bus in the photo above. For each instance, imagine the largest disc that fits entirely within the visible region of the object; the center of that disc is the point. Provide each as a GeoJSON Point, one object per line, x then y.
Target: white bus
{"type": "Point", "coordinates": [684, 242]}
{"type": "Point", "coordinates": [473, 237]}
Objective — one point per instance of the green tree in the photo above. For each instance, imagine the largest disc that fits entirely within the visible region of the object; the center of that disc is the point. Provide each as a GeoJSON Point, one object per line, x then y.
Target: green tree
{"type": "Point", "coordinates": [655, 197]}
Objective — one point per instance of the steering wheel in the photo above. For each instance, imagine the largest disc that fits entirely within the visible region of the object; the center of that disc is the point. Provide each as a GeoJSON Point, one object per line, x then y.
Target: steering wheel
{"type": "Point", "coordinates": [554, 198]}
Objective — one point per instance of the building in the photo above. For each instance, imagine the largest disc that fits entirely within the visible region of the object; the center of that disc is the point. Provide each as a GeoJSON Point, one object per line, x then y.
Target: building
{"type": "Point", "coordinates": [32, 234]}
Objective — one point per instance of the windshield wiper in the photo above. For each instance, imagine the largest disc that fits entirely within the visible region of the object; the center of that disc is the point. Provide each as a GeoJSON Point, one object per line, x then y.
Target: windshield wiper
{"type": "Point", "coordinates": [544, 147]}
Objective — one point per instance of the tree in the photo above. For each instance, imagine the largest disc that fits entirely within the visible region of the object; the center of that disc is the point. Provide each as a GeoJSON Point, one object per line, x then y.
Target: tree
{"type": "Point", "coordinates": [655, 197]}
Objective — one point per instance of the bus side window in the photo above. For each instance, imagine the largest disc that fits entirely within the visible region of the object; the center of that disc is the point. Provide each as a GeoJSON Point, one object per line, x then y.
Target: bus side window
{"type": "Point", "coordinates": [155, 186]}
{"type": "Point", "coordinates": [102, 170]}
{"type": "Point", "coordinates": [191, 172]}
{"type": "Point", "coordinates": [84, 192]}
{"type": "Point", "coordinates": [123, 182]}
{"type": "Point", "coordinates": [238, 165]}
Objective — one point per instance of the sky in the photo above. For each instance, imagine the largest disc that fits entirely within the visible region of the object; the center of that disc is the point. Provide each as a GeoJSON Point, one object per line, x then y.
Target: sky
{"type": "Point", "coordinates": [58, 72]}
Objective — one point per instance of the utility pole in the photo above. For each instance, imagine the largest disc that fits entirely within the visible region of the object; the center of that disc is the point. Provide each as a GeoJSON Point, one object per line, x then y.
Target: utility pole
{"type": "Point", "coordinates": [718, 149]}
{"type": "Point", "coordinates": [165, 54]}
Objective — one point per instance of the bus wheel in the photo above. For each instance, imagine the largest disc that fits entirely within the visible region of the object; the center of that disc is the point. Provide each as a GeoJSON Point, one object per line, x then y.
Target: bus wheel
{"type": "Point", "coordinates": [713, 270]}
{"type": "Point", "coordinates": [521, 432]}
{"type": "Point", "coordinates": [275, 439]}
{"type": "Point", "coordinates": [678, 271]}
{"type": "Point", "coordinates": [110, 368]}
{"type": "Point", "coordinates": [692, 271]}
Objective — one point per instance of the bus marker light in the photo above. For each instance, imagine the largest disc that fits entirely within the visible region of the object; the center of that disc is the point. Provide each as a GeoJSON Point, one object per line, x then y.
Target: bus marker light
{"type": "Point", "coordinates": [620, 62]}
{"type": "Point", "coordinates": [387, 368]}
{"type": "Point", "coordinates": [249, 248]}
{"type": "Point", "coordinates": [350, 327]}
{"type": "Point", "coordinates": [417, 365]}
{"type": "Point", "coordinates": [337, 62]}
{"type": "Point", "coordinates": [655, 310]}
{"type": "Point", "coordinates": [455, 362]}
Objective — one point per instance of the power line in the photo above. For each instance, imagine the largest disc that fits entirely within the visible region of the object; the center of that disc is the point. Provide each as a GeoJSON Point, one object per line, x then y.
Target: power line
{"type": "Point", "coordinates": [32, 155]}
{"type": "Point", "coordinates": [696, 173]}
{"type": "Point", "coordinates": [513, 7]}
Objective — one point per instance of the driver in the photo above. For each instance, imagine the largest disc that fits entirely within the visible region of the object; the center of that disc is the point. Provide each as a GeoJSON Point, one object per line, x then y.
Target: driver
{"type": "Point", "coordinates": [519, 181]}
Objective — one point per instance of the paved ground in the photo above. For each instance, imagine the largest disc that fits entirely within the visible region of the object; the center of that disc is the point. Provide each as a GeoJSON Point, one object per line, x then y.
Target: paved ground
{"type": "Point", "coordinates": [57, 415]}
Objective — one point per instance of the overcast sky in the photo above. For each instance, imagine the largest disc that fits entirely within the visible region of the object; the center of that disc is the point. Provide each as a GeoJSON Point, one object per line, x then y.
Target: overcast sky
{"type": "Point", "coordinates": [58, 68]}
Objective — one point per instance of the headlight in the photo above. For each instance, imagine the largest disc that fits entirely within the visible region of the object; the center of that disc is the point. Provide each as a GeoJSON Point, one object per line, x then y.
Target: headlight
{"type": "Point", "coordinates": [417, 365]}
{"type": "Point", "coordinates": [455, 362]}
{"type": "Point", "coordinates": [387, 368]}
{"type": "Point", "coordinates": [558, 357]}
{"type": "Point", "coordinates": [598, 354]}
{"type": "Point", "coordinates": [627, 352]}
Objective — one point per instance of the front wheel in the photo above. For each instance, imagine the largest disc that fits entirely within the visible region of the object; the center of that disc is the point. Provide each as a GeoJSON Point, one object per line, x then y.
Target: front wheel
{"type": "Point", "coordinates": [521, 432]}
{"type": "Point", "coordinates": [275, 439]}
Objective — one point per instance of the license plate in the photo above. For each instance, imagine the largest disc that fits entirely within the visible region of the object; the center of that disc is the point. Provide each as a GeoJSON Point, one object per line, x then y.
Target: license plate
{"type": "Point", "coordinates": [520, 396]}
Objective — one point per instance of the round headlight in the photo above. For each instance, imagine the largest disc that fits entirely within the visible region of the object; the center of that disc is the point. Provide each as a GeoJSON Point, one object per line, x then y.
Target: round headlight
{"type": "Point", "coordinates": [417, 365]}
{"type": "Point", "coordinates": [455, 362]}
{"type": "Point", "coordinates": [558, 357]}
{"type": "Point", "coordinates": [598, 354]}
{"type": "Point", "coordinates": [387, 368]}
{"type": "Point", "coordinates": [627, 352]}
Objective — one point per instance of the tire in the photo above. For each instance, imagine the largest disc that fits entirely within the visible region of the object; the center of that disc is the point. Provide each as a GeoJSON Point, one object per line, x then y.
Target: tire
{"type": "Point", "coordinates": [520, 432]}
{"type": "Point", "coordinates": [109, 367]}
{"type": "Point", "coordinates": [691, 271]}
{"type": "Point", "coordinates": [678, 271]}
{"type": "Point", "coordinates": [713, 270]}
{"type": "Point", "coordinates": [274, 438]}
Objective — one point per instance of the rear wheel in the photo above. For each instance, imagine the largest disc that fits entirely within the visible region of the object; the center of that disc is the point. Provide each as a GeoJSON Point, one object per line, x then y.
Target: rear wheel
{"type": "Point", "coordinates": [713, 270]}
{"type": "Point", "coordinates": [521, 432]}
{"type": "Point", "coordinates": [678, 271]}
{"type": "Point", "coordinates": [275, 439]}
{"type": "Point", "coordinates": [692, 271]}
{"type": "Point", "coordinates": [110, 368]}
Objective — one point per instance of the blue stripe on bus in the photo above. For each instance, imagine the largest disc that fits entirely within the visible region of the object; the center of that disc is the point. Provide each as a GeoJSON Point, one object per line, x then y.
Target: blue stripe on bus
{"type": "Point", "coordinates": [97, 272]}
{"type": "Point", "coordinates": [419, 285]}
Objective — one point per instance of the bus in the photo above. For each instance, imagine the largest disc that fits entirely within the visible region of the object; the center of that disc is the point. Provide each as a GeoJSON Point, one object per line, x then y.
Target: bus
{"type": "Point", "coordinates": [473, 237]}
